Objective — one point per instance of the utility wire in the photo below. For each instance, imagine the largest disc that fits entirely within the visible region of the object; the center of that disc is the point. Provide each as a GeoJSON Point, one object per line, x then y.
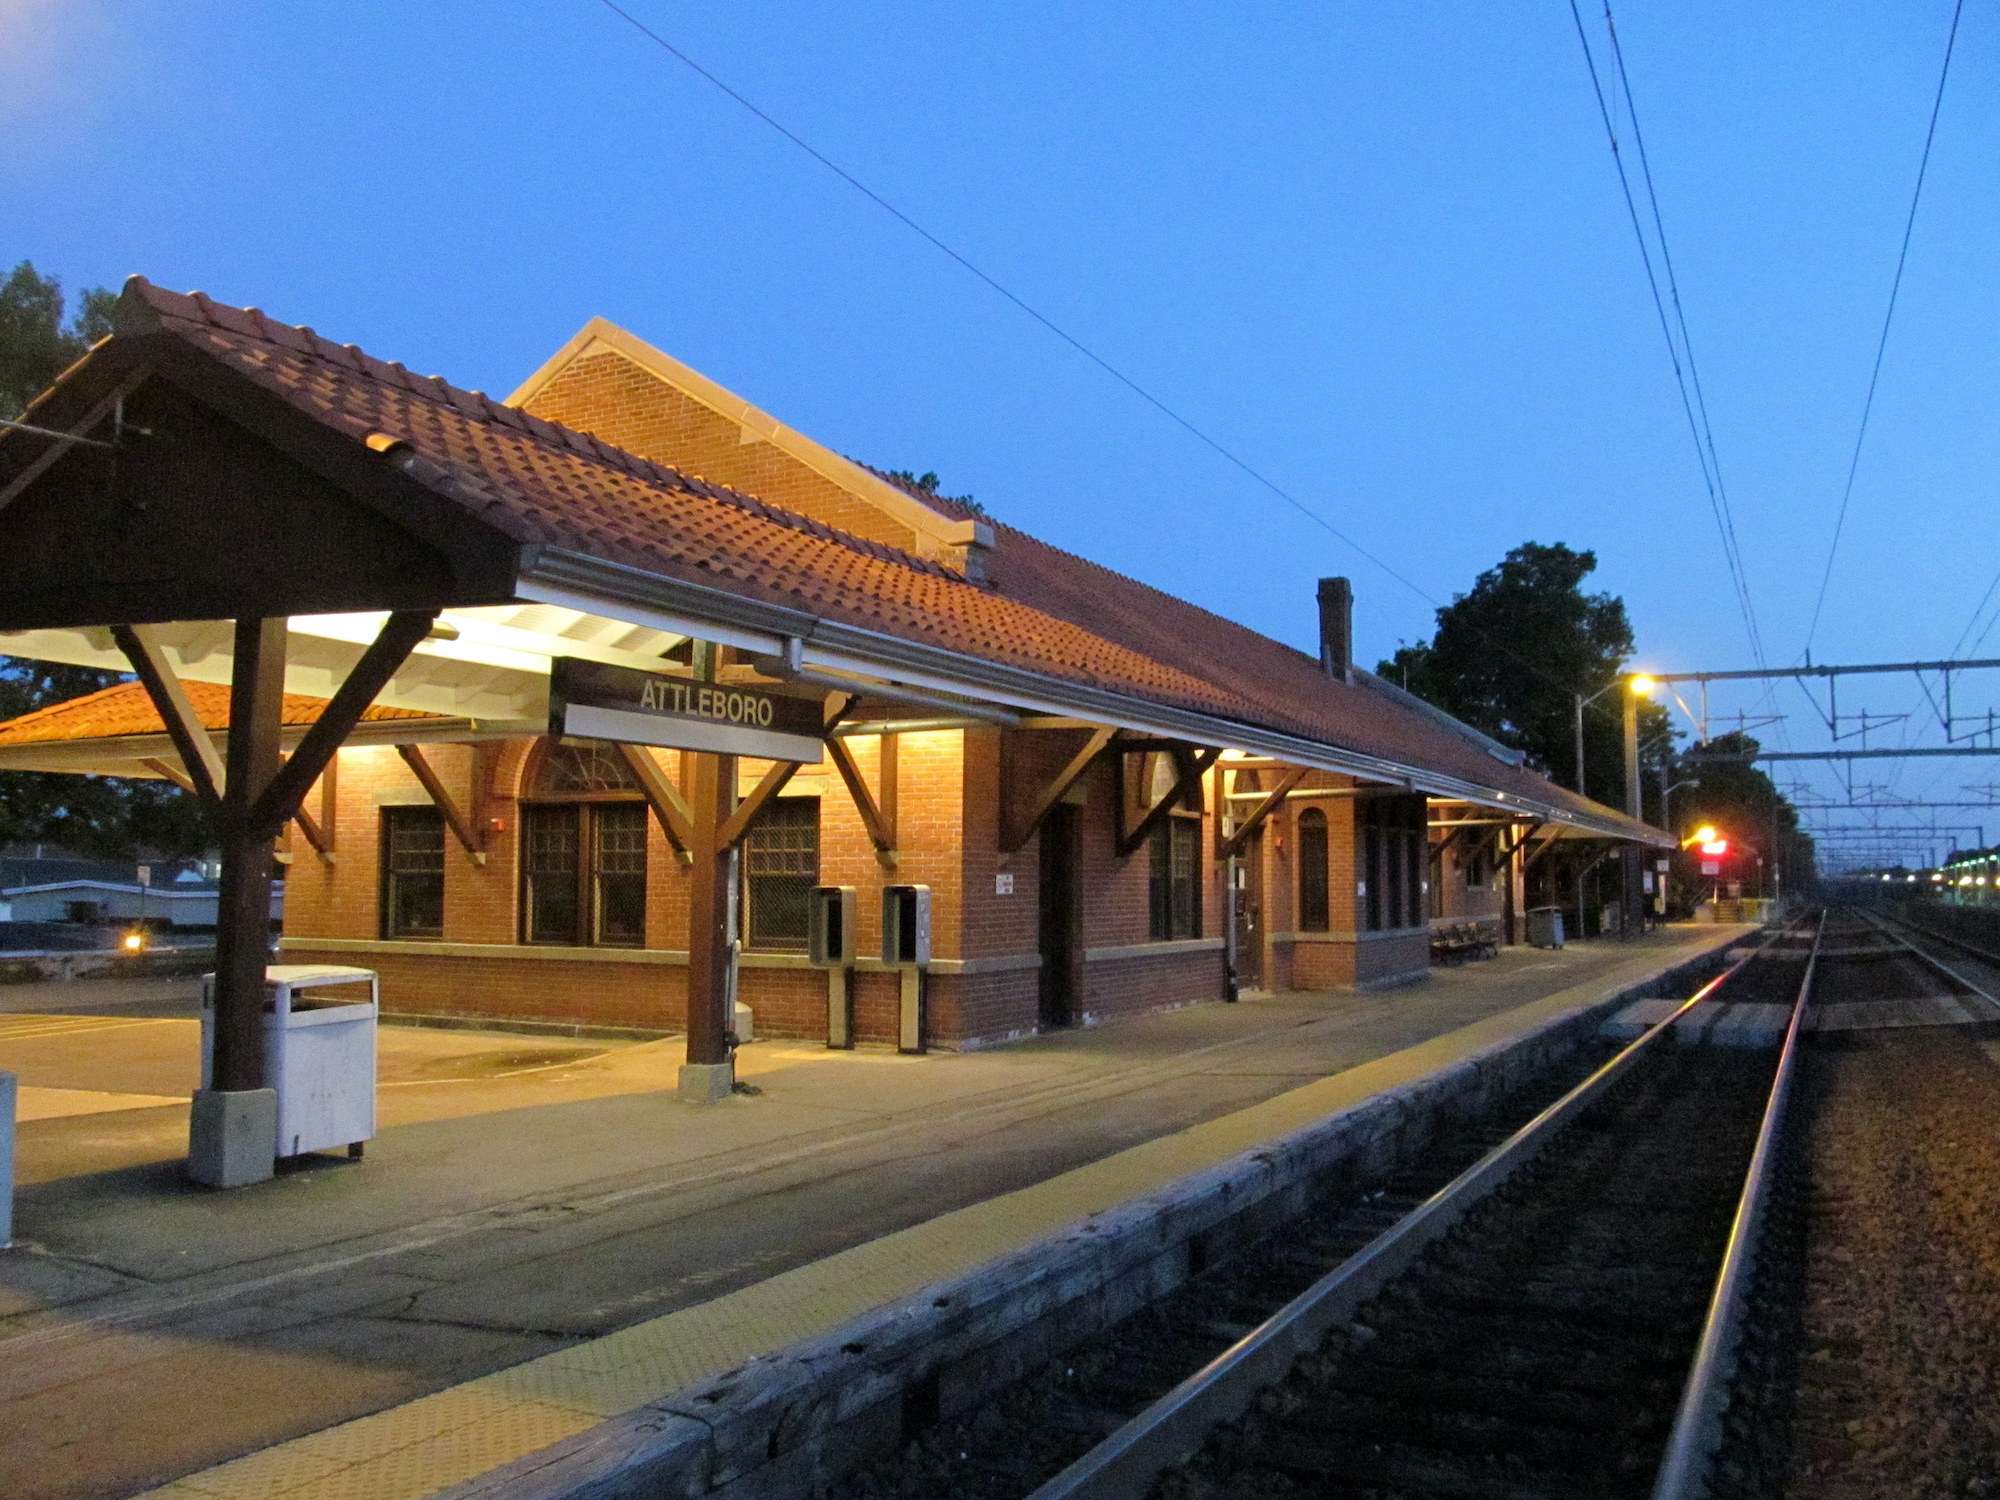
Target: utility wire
{"type": "Point", "coordinates": [1882, 344]}
{"type": "Point", "coordinates": [1732, 548]}
{"type": "Point", "coordinates": [993, 283]}
{"type": "Point", "coordinates": [1673, 350]}
{"type": "Point", "coordinates": [1730, 544]}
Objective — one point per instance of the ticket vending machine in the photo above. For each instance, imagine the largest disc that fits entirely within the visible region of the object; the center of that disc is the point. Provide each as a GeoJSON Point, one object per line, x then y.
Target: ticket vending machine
{"type": "Point", "coordinates": [906, 948]}
{"type": "Point", "coordinates": [830, 945]}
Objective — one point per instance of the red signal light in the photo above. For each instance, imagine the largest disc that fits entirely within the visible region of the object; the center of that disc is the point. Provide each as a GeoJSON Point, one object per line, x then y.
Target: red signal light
{"type": "Point", "coordinates": [1715, 848]}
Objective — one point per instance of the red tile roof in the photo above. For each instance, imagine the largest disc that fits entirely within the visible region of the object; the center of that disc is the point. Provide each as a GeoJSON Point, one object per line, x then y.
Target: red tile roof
{"type": "Point", "coordinates": [1044, 611]}
{"type": "Point", "coordinates": [124, 709]}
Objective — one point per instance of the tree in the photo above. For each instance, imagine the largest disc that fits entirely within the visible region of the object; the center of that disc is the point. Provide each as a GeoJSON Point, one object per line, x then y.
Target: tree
{"type": "Point", "coordinates": [1510, 656]}
{"type": "Point", "coordinates": [94, 815]}
{"type": "Point", "coordinates": [35, 346]}
{"type": "Point", "coordinates": [928, 482]}
{"type": "Point", "coordinates": [1744, 806]}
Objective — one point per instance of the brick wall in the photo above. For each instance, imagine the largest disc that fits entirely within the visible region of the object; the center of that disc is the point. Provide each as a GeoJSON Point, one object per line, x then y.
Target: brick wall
{"type": "Point", "coordinates": [1345, 958]}
{"type": "Point", "coordinates": [1461, 902]}
{"type": "Point", "coordinates": [607, 395]}
{"type": "Point", "coordinates": [949, 785]}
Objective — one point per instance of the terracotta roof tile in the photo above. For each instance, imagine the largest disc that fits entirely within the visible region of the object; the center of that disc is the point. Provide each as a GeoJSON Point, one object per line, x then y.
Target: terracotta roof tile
{"type": "Point", "coordinates": [124, 709]}
{"type": "Point", "coordinates": [1045, 611]}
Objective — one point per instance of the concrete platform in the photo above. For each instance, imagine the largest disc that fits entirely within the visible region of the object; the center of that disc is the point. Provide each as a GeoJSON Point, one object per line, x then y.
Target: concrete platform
{"type": "Point", "coordinates": [489, 1283]}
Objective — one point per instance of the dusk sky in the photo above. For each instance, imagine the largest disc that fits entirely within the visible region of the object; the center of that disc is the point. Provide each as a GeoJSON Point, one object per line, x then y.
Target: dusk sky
{"type": "Point", "coordinates": [1379, 251]}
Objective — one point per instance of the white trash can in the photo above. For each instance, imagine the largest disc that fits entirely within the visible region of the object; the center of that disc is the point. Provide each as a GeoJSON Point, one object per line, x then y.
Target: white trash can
{"type": "Point", "coordinates": [319, 1053]}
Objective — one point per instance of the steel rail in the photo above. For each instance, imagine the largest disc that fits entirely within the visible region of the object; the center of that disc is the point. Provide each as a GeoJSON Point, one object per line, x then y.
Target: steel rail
{"type": "Point", "coordinates": [1125, 1465]}
{"type": "Point", "coordinates": [1882, 926]}
{"type": "Point", "coordinates": [1697, 1431]}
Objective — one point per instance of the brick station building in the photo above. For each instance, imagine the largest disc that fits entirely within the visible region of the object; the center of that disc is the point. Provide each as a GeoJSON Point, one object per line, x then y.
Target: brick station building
{"type": "Point", "coordinates": [1118, 801]}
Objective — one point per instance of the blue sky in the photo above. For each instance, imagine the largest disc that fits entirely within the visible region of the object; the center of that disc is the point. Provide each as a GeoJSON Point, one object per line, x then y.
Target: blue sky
{"type": "Point", "coordinates": [1378, 250]}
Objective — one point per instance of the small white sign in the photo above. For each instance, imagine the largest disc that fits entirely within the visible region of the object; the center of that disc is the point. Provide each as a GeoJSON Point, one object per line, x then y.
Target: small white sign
{"type": "Point", "coordinates": [1649, 881]}
{"type": "Point", "coordinates": [145, 874]}
{"type": "Point", "coordinates": [1003, 885]}
{"type": "Point", "coordinates": [1360, 887]}
{"type": "Point", "coordinates": [1711, 867]}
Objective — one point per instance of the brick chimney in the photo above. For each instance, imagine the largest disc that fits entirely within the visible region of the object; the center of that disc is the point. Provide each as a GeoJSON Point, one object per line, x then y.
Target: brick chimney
{"type": "Point", "coordinates": [1336, 628]}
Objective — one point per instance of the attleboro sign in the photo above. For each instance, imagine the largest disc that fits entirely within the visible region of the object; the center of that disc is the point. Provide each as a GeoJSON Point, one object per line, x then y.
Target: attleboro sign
{"type": "Point", "coordinates": [595, 701]}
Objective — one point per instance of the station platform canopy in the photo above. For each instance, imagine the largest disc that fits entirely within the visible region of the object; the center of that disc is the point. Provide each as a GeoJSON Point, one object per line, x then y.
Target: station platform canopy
{"type": "Point", "coordinates": [214, 464]}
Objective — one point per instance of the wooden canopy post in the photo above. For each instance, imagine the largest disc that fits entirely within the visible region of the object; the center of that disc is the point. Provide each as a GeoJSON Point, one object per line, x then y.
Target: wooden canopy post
{"type": "Point", "coordinates": [708, 1074]}
{"type": "Point", "coordinates": [250, 792]}
{"type": "Point", "coordinates": [1505, 859]}
{"type": "Point", "coordinates": [243, 905]}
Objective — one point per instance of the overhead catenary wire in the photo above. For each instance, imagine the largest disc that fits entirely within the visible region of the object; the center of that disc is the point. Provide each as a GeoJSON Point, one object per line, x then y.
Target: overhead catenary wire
{"type": "Point", "coordinates": [1724, 532]}
{"type": "Point", "coordinates": [1888, 318]}
{"type": "Point", "coordinates": [999, 287]}
{"type": "Point", "coordinates": [1074, 342]}
{"type": "Point", "coordinates": [1731, 546]}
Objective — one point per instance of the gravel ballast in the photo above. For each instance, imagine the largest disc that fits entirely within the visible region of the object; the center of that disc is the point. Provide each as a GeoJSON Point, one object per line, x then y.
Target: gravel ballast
{"type": "Point", "coordinates": [1880, 1303]}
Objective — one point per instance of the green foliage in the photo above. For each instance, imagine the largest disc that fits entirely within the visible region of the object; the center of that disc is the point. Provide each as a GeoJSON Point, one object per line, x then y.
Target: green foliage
{"type": "Point", "coordinates": [1511, 654]}
{"type": "Point", "coordinates": [100, 816]}
{"type": "Point", "coordinates": [35, 344]}
{"type": "Point", "coordinates": [1744, 806]}
{"type": "Point", "coordinates": [93, 815]}
{"type": "Point", "coordinates": [928, 482]}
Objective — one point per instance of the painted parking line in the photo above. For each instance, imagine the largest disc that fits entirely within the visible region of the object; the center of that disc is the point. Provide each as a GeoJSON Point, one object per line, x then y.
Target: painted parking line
{"type": "Point", "coordinates": [29, 1028]}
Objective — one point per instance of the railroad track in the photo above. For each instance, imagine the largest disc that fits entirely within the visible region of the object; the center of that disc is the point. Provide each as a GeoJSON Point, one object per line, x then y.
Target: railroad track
{"type": "Point", "coordinates": [1552, 1322]}
{"type": "Point", "coordinates": [1543, 1316]}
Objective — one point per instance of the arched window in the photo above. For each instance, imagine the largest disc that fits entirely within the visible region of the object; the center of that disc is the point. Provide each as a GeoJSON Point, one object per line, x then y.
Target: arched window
{"type": "Point", "coordinates": [1312, 871]}
{"type": "Point", "coordinates": [583, 848]}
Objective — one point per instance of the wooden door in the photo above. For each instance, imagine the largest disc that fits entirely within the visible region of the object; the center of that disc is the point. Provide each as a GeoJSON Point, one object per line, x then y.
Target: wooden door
{"type": "Point", "coordinates": [1250, 914]}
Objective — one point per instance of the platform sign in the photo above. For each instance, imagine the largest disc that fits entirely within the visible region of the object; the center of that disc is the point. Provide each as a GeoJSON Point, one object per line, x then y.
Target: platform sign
{"type": "Point", "coordinates": [594, 701]}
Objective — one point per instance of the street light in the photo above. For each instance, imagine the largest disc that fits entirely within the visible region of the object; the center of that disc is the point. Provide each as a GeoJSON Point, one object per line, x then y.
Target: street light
{"type": "Point", "coordinates": [1640, 686]}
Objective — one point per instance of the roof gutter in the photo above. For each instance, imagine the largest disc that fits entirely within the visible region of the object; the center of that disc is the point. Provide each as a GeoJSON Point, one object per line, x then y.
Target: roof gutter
{"type": "Point", "coordinates": [552, 575]}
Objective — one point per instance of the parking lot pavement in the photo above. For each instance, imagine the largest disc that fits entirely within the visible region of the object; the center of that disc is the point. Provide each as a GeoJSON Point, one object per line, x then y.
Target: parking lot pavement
{"type": "Point", "coordinates": [170, 996]}
{"type": "Point", "coordinates": [506, 1211]}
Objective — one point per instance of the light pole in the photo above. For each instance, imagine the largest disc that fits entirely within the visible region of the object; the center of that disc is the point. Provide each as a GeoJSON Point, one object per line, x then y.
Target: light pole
{"type": "Point", "coordinates": [1581, 704]}
{"type": "Point", "coordinates": [1638, 686]}
{"type": "Point", "coordinates": [1667, 790]}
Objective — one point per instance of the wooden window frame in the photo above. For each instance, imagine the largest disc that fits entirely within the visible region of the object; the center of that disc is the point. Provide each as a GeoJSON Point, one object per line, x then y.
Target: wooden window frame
{"type": "Point", "coordinates": [1389, 836]}
{"type": "Point", "coordinates": [586, 807]}
{"type": "Point", "coordinates": [753, 942]}
{"type": "Point", "coordinates": [1169, 917]}
{"type": "Point", "coordinates": [1313, 826]}
{"type": "Point", "coordinates": [387, 875]}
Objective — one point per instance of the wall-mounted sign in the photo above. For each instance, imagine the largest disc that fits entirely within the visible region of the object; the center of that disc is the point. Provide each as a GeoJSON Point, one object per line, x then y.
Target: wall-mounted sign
{"type": "Point", "coordinates": [590, 700]}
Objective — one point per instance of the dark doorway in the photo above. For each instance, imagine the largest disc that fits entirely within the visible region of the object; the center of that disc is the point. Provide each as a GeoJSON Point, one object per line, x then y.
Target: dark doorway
{"type": "Point", "coordinates": [1250, 914]}
{"type": "Point", "coordinates": [1061, 926]}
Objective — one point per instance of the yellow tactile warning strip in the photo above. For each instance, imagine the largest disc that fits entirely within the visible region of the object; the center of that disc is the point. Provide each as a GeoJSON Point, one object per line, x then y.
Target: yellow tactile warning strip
{"type": "Point", "coordinates": [437, 1441]}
